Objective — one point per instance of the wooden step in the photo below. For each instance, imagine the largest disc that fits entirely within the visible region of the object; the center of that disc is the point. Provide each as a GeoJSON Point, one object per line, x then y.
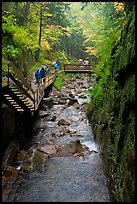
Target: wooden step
{"type": "Point", "coordinates": [19, 95]}
{"type": "Point", "coordinates": [20, 110]}
{"type": "Point", "coordinates": [14, 89]}
{"type": "Point", "coordinates": [13, 102]}
{"type": "Point", "coordinates": [26, 102]}
{"type": "Point", "coordinates": [17, 92]}
{"type": "Point", "coordinates": [16, 105]}
{"type": "Point", "coordinates": [10, 100]}
{"type": "Point", "coordinates": [32, 109]}
{"type": "Point", "coordinates": [22, 98]}
{"type": "Point", "coordinates": [8, 97]}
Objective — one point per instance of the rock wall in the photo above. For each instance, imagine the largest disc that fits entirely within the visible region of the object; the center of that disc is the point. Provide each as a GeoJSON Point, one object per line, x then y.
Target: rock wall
{"type": "Point", "coordinates": [15, 133]}
{"type": "Point", "coordinates": [8, 125]}
{"type": "Point", "coordinates": [113, 121]}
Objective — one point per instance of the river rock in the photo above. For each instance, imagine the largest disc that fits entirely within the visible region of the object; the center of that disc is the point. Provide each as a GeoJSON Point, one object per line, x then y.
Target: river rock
{"type": "Point", "coordinates": [10, 154]}
{"type": "Point", "coordinates": [72, 101]}
{"type": "Point", "coordinates": [63, 122]}
{"type": "Point", "coordinates": [11, 173]}
{"type": "Point", "coordinates": [48, 149]}
{"type": "Point", "coordinates": [71, 95]}
{"type": "Point", "coordinates": [8, 125]}
{"type": "Point", "coordinates": [48, 101]}
{"type": "Point", "coordinates": [82, 95]}
{"type": "Point", "coordinates": [76, 105]}
{"type": "Point", "coordinates": [70, 148]}
{"type": "Point", "coordinates": [21, 155]}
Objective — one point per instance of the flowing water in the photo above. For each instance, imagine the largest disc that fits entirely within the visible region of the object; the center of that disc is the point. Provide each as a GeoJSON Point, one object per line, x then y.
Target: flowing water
{"type": "Point", "coordinates": [68, 163]}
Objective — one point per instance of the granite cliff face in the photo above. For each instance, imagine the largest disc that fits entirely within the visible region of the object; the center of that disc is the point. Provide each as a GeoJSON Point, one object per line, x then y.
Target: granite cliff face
{"type": "Point", "coordinates": [113, 120]}
{"type": "Point", "coordinates": [8, 125]}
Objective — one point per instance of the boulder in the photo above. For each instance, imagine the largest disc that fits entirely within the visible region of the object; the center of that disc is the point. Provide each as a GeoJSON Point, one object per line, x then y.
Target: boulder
{"type": "Point", "coordinates": [72, 101]}
{"type": "Point", "coordinates": [8, 125]}
{"type": "Point", "coordinates": [63, 122]}
{"type": "Point", "coordinates": [48, 101]}
{"type": "Point", "coordinates": [70, 148]}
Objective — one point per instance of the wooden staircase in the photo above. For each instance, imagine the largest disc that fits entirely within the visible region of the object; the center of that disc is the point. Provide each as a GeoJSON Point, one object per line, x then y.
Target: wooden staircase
{"type": "Point", "coordinates": [18, 99]}
{"type": "Point", "coordinates": [19, 95]}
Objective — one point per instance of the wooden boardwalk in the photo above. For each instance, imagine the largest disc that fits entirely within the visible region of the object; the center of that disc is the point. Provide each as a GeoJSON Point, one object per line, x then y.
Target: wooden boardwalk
{"type": "Point", "coordinates": [77, 68]}
{"type": "Point", "coordinates": [24, 95]}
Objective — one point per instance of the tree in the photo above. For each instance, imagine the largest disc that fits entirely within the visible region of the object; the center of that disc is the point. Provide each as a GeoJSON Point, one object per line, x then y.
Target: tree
{"type": "Point", "coordinates": [26, 13]}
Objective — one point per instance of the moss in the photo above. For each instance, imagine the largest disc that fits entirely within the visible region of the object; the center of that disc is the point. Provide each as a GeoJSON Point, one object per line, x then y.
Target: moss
{"type": "Point", "coordinates": [115, 100]}
{"type": "Point", "coordinates": [37, 160]}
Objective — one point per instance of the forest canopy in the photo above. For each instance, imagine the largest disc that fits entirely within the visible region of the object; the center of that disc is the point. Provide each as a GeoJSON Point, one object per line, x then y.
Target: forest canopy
{"type": "Point", "coordinates": [35, 32]}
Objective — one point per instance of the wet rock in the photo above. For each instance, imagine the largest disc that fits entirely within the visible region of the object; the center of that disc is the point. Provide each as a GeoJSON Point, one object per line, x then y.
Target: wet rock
{"type": "Point", "coordinates": [27, 165]}
{"type": "Point", "coordinates": [38, 159]}
{"type": "Point", "coordinates": [78, 154]}
{"type": "Point", "coordinates": [43, 107]}
{"type": "Point", "coordinates": [8, 126]}
{"type": "Point", "coordinates": [21, 155]}
{"type": "Point", "coordinates": [60, 95]}
{"type": "Point", "coordinates": [82, 96]}
{"type": "Point", "coordinates": [71, 95]}
{"type": "Point", "coordinates": [63, 122]}
{"type": "Point", "coordinates": [67, 86]}
{"type": "Point", "coordinates": [11, 173]}
{"type": "Point", "coordinates": [70, 148]}
{"type": "Point", "coordinates": [72, 101]}
{"type": "Point", "coordinates": [10, 154]}
{"type": "Point", "coordinates": [53, 118]}
{"type": "Point", "coordinates": [76, 105]}
{"type": "Point", "coordinates": [85, 148]}
{"type": "Point", "coordinates": [93, 151]}
{"type": "Point", "coordinates": [61, 101]}
{"type": "Point", "coordinates": [48, 149]}
{"type": "Point", "coordinates": [48, 101]}
{"type": "Point", "coordinates": [43, 114]}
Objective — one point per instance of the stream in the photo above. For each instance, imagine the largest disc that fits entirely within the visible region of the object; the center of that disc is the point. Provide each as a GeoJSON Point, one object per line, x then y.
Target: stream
{"type": "Point", "coordinates": [62, 161]}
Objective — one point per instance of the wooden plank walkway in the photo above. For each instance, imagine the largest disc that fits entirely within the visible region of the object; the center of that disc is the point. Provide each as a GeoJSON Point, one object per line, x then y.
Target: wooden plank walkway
{"type": "Point", "coordinates": [39, 90]}
{"type": "Point", "coordinates": [77, 68]}
{"type": "Point", "coordinates": [23, 94]}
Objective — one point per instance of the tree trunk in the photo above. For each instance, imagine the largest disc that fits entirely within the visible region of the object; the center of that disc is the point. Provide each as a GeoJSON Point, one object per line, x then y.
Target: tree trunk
{"type": "Point", "coordinates": [40, 34]}
{"type": "Point", "coordinates": [40, 24]}
{"type": "Point", "coordinates": [26, 13]}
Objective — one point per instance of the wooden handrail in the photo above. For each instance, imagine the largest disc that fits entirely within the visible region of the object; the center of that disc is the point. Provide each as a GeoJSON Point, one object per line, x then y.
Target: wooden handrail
{"type": "Point", "coordinates": [19, 75]}
{"type": "Point", "coordinates": [20, 86]}
{"type": "Point", "coordinates": [24, 86]}
{"type": "Point", "coordinates": [77, 67]}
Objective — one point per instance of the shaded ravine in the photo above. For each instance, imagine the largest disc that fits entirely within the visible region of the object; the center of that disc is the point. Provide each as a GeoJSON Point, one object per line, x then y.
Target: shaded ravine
{"type": "Point", "coordinates": [71, 169]}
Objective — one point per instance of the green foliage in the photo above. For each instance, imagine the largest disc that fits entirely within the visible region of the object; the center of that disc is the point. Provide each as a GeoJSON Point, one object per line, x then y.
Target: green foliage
{"type": "Point", "coordinates": [58, 83]}
{"type": "Point", "coordinates": [8, 24]}
{"type": "Point", "coordinates": [37, 160]}
{"type": "Point", "coordinates": [114, 96]}
{"type": "Point", "coordinates": [12, 52]}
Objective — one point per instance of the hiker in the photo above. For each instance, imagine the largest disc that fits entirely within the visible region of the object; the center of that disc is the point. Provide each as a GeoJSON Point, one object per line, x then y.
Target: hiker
{"type": "Point", "coordinates": [86, 62]}
{"type": "Point", "coordinates": [37, 76]}
{"type": "Point", "coordinates": [56, 65]}
{"type": "Point", "coordinates": [80, 61]}
{"type": "Point", "coordinates": [43, 73]}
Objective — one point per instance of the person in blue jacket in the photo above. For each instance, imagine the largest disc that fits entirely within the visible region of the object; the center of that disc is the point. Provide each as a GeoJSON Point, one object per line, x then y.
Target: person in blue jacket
{"type": "Point", "coordinates": [43, 73]}
{"type": "Point", "coordinates": [37, 76]}
{"type": "Point", "coordinates": [56, 65]}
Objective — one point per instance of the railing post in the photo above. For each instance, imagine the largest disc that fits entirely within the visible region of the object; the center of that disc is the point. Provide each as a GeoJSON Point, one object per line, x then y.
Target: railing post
{"type": "Point", "coordinates": [30, 83]}
{"type": "Point", "coordinates": [8, 73]}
